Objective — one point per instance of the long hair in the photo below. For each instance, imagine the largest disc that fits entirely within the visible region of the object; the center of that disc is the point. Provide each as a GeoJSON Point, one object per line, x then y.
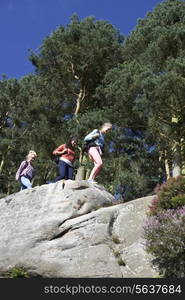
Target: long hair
{"type": "Point", "coordinates": [69, 145]}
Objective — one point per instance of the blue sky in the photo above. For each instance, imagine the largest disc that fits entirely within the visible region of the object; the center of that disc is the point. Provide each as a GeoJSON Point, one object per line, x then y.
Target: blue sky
{"type": "Point", "coordinates": [25, 23]}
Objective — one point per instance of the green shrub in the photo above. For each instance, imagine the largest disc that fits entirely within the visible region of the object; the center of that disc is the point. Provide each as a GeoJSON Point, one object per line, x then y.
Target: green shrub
{"type": "Point", "coordinates": [169, 195]}
{"type": "Point", "coordinates": [121, 262]}
{"type": "Point", "coordinates": [178, 201]}
{"type": "Point", "coordinates": [17, 272]}
{"type": "Point", "coordinates": [165, 240]}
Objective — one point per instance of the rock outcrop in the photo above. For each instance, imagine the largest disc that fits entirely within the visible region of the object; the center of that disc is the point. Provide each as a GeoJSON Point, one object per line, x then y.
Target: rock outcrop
{"type": "Point", "coordinates": [73, 230]}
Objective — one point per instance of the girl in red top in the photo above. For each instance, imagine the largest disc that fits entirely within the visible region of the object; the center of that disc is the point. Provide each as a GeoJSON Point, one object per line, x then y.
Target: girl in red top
{"type": "Point", "coordinates": [66, 152]}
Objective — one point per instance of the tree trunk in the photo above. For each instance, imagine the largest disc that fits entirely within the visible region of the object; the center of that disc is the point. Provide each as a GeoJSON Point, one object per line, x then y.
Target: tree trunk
{"type": "Point", "coordinates": [176, 158]}
{"type": "Point", "coordinates": [182, 157]}
{"type": "Point", "coordinates": [183, 170]}
{"type": "Point", "coordinates": [167, 166]}
{"type": "Point", "coordinates": [79, 100]}
{"type": "Point", "coordinates": [1, 165]}
{"type": "Point", "coordinates": [80, 173]}
{"type": "Point", "coordinates": [176, 162]}
{"type": "Point", "coordinates": [167, 169]}
{"type": "Point", "coordinates": [83, 172]}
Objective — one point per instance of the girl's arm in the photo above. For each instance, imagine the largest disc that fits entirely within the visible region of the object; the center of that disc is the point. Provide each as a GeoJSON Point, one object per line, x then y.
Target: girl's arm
{"type": "Point", "coordinates": [60, 150]}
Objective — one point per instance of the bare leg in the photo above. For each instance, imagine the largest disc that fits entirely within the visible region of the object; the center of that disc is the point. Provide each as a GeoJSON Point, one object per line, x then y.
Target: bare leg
{"type": "Point", "coordinates": [95, 156]}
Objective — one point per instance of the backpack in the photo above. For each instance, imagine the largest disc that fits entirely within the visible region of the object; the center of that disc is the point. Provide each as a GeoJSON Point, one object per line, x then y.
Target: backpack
{"type": "Point", "coordinates": [87, 144]}
{"type": "Point", "coordinates": [55, 158]}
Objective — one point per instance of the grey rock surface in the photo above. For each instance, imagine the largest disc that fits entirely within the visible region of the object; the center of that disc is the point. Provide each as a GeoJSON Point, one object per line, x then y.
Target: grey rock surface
{"type": "Point", "coordinates": [73, 230]}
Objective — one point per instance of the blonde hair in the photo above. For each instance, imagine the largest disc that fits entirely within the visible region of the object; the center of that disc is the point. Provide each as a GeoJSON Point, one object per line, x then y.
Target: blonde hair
{"type": "Point", "coordinates": [108, 124]}
{"type": "Point", "coordinates": [31, 152]}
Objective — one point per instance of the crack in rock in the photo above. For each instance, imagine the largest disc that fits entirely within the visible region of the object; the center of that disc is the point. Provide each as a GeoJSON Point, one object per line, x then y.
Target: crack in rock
{"type": "Point", "coordinates": [112, 221]}
{"type": "Point", "coordinates": [70, 227]}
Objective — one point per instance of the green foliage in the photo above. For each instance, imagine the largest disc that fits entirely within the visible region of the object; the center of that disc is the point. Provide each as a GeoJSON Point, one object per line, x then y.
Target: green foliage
{"type": "Point", "coordinates": [115, 239]}
{"type": "Point", "coordinates": [74, 60]}
{"type": "Point", "coordinates": [11, 133]}
{"type": "Point", "coordinates": [71, 63]}
{"type": "Point", "coordinates": [165, 240]}
{"type": "Point", "coordinates": [121, 262]}
{"type": "Point", "coordinates": [17, 272]}
{"type": "Point", "coordinates": [170, 195]}
{"type": "Point", "coordinates": [85, 75]}
{"type": "Point", "coordinates": [147, 90]}
{"type": "Point", "coordinates": [178, 201]}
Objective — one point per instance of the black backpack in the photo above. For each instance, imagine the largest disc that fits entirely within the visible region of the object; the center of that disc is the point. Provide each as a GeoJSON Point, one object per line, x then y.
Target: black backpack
{"type": "Point", "coordinates": [55, 158]}
{"type": "Point", "coordinates": [87, 144]}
